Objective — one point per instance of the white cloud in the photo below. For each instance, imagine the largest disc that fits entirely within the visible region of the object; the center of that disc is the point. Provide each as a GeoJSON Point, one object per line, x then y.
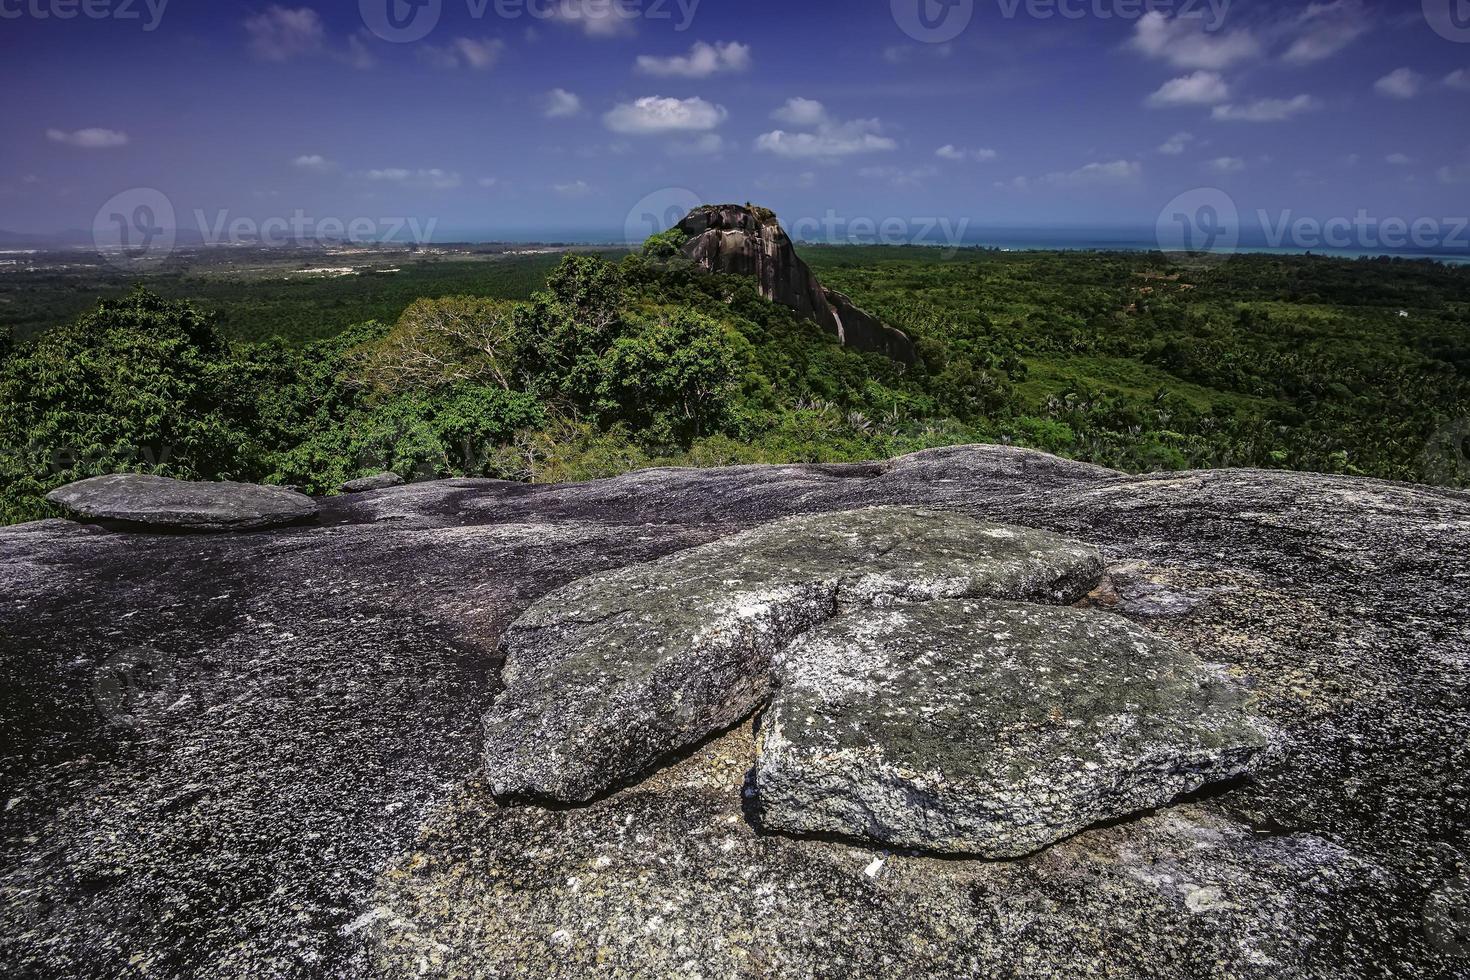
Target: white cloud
{"type": "Point", "coordinates": [577, 188]}
{"type": "Point", "coordinates": [595, 18]}
{"type": "Point", "coordinates": [826, 137]}
{"type": "Point", "coordinates": [1399, 159]}
{"type": "Point", "coordinates": [656, 114]}
{"type": "Point", "coordinates": [1184, 42]}
{"type": "Point", "coordinates": [1402, 83]}
{"type": "Point", "coordinates": [1092, 174]}
{"type": "Point", "coordinates": [1200, 88]}
{"type": "Point", "coordinates": [1226, 165]}
{"type": "Point", "coordinates": [428, 178]}
{"type": "Point", "coordinates": [488, 182]}
{"type": "Point", "coordinates": [1266, 110]}
{"type": "Point", "coordinates": [951, 152]}
{"type": "Point", "coordinates": [801, 112]}
{"type": "Point", "coordinates": [1176, 144]}
{"type": "Point", "coordinates": [282, 33]}
{"type": "Point", "coordinates": [93, 138]}
{"type": "Point", "coordinates": [561, 104]}
{"type": "Point", "coordinates": [1458, 79]}
{"type": "Point", "coordinates": [702, 61]}
{"type": "Point", "coordinates": [464, 51]}
{"type": "Point", "coordinates": [314, 162]}
{"type": "Point", "coordinates": [1325, 29]}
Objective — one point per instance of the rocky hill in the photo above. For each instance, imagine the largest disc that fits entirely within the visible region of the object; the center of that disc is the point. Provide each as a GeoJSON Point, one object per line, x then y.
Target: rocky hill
{"type": "Point", "coordinates": [749, 241]}
{"type": "Point", "coordinates": [974, 712]}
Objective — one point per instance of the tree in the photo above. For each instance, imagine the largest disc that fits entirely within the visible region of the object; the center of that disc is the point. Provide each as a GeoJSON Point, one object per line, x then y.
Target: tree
{"type": "Point", "coordinates": [439, 342]}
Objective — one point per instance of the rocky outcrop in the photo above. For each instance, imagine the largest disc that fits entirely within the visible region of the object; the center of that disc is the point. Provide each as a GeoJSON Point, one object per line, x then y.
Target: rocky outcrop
{"type": "Point", "coordinates": [616, 671]}
{"type": "Point", "coordinates": [176, 505]}
{"type": "Point", "coordinates": [990, 728]}
{"type": "Point", "coordinates": [263, 754]}
{"type": "Point", "coordinates": [749, 241]}
{"type": "Point", "coordinates": [377, 481]}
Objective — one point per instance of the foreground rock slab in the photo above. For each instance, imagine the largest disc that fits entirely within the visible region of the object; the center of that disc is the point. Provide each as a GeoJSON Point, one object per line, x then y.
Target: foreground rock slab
{"type": "Point", "coordinates": [990, 728]}
{"type": "Point", "coordinates": [608, 675]}
{"type": "Point", "coordinates": [177, 505]}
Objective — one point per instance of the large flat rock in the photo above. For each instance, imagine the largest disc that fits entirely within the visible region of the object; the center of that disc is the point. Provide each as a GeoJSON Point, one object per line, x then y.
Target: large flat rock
{"type": "Point", "coordinates": [175, 505]}
{"type": "Point", "coordinates": [612, 673]}
{"type": "Point", "coordinates": [990, 728]}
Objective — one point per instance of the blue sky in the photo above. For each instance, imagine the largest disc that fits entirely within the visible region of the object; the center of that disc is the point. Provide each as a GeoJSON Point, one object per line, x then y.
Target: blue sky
{"type": "Point", "coordinates": [567, 116]}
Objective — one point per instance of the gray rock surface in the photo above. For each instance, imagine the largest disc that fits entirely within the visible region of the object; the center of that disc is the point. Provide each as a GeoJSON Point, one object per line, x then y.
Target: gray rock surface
{"type": "Point", "coordinates": [608, 675]}
{"type": "Point", "coordinates": [177, 505]}
{"type": "Point", "coordinates": [300, 793]}
{"type": "Point", "coordinates": [746, 241]}
{"type": "Point", "coordinates": [990, 728]}
{"type": "Point", "coordinates": [377, 481]}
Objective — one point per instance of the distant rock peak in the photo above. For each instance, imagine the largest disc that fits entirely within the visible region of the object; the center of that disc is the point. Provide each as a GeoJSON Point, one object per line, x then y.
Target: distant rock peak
{"type": "Point", "coordinates": [745, 240]}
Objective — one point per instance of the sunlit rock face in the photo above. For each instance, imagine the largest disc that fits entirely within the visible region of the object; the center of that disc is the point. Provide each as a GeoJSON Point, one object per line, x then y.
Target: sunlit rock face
{"type": "Point", "coordinates": [749, 241]}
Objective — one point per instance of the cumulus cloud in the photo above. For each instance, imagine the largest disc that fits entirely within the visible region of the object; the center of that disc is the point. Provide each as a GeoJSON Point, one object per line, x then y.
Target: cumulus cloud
{"type": "Point", "coordinates": [1176, 144]}
{"type": "Point", "coordinates": [1399, 159]}
{"type": "Point", "coordinates": [465, 52]}
{"type": "Point", "coordinates": [1184, 42]}
{"type": "Point", "coordinates": [1266, 110]}
{"type": "Point", "coordinates": [1226, 165]}
{"type": "Point", "coordinates": [1324, 29]}
{"type": "Point", "coordinates": [1403, 83]}
{"type": "Point", "coordinates": [595, 18]}
{"type": "Point", "coordinates": [282, 33]}
{"type": "Point", "coordinates": [823, 136]}
{"type": "Point", "coordinates": [1459, 79]}
{"type": "Point", "coordinates": [577, 188]}
{"type": "Point", "coordinates": [561, 104]}
{"type": "Point", "coordinates": [1200, 88]}
{"type": "Point", "coordinates": [801, 112]}
{"type": "Point", "coordinates": [702, 61]}
{"type": "Point", "coordinates": [656, 114]}
{"type": "Point", "coordinates": [314, 162]}
{"type": "Point", "coordinates": [1092, 174]}
{"type": "Point", "coordinates": [93, 138]}
{"type": "Point", "coordinates": [428, 178]}
{"type": "Point", "coordinates": [951, 152]}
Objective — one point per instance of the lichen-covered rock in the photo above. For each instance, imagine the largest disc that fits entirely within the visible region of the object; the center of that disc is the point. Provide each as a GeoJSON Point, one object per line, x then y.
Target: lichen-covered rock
{"type": "Point", "coordinates": [176, 505]}
{"type": "Point", "coordinates": [608, 675]}
{"type": "Point", "coordinates": [990, 728]}
{"type": "Point", "coordinates": [377, 481]}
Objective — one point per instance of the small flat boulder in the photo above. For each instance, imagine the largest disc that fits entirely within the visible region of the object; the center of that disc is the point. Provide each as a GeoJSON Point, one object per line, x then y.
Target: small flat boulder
{"type": "Point", "coordinates": [176, 505]}
{"type": "Point", "coordinates": [990, 728]}
{"type": "Point", "coordinates": [613, 672]}
{"type": "Point", "coordinates": [378, 481]}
